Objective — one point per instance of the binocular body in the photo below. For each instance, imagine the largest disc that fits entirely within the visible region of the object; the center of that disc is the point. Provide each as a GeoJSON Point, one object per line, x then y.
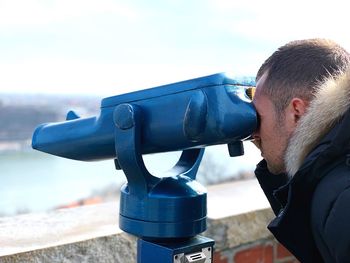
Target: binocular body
{"type": "Point", "coordinates": [186, 116]}
{"type": "Point", "coordinates": [189, 114]}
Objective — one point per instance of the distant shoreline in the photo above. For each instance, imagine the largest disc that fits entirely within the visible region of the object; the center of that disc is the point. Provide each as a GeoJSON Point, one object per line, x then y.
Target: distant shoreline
{"type": "Point", "coordinates": [14, 146]}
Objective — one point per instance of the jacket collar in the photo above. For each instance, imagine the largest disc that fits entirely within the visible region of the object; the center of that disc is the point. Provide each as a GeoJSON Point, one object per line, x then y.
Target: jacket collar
{"type": "Point", "coordinates": [331, 102]}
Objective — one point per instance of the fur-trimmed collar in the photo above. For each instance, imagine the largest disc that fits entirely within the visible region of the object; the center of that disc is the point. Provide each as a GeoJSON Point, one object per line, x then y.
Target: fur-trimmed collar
{"type": "Point", "coordinates": [331, 102]}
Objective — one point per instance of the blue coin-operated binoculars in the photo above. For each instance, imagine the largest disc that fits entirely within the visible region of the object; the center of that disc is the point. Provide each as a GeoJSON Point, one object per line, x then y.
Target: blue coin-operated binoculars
{"type": "Point", "coordinates": [167, 213]}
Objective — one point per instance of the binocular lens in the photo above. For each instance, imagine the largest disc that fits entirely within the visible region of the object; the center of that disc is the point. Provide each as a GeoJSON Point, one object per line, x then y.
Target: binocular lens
{"type": "Point", "coordinates": [250, 92]}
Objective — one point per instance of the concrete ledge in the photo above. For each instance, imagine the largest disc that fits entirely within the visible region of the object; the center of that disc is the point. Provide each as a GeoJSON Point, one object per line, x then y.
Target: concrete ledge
{"type": "Point", "coordinates": [37, 231]}
{"type": "Point", "coordinates": [238, 213]}
{"type": "Point", "coordinates": [118, 248]}
{"type": "Point", "coordinates": [234, 231]}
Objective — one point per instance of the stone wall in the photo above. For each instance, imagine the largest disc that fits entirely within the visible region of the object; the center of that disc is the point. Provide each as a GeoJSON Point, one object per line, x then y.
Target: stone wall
{"type": "Point", "coordinates": [237, 217]}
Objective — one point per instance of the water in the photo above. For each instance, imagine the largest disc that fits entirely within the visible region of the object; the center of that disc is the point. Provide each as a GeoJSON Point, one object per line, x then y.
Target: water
{"type": "Point", "coordinates": [34, 181]}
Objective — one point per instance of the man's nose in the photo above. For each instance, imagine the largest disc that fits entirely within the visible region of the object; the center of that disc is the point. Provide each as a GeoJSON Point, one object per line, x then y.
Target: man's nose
{"type": "Point", "coordinates": [255, 135]}
{"type": "Point", "coordinates": [256, 139]}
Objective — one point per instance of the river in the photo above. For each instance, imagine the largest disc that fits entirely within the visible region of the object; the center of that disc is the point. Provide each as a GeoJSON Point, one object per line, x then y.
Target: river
{"type": "Point", "coordinates": [34, 181]}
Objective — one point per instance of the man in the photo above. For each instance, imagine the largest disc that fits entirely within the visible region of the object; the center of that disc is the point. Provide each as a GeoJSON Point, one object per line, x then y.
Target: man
{"type": "Point", "coordinates": [303, 102]}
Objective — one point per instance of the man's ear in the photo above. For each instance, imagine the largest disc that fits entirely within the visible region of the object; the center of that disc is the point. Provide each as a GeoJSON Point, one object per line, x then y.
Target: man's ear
{"type": "Point", "coordinates": [296, 109]}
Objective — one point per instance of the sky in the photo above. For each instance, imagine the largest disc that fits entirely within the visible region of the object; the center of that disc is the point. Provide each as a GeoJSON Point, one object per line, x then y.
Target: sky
{"type": "Point", "coordinates": [109, 47]}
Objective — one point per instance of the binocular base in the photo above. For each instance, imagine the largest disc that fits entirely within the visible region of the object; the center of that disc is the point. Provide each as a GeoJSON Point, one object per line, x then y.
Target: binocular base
{"type": "Point", "coordinates": [198, 249]}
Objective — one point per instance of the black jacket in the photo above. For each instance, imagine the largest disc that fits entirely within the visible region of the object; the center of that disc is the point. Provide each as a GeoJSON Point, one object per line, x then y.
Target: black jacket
{"type": "Point", "coordinates": [313, 207]}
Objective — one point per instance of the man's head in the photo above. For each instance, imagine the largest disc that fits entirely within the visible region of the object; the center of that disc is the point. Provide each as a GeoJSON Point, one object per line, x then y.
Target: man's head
{"type": "Point", "coordinates": [286, 83]}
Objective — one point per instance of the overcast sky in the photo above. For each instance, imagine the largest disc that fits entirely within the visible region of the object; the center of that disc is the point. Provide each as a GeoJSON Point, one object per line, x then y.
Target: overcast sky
{"type": "Point", "coordinates": [109, 47]}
